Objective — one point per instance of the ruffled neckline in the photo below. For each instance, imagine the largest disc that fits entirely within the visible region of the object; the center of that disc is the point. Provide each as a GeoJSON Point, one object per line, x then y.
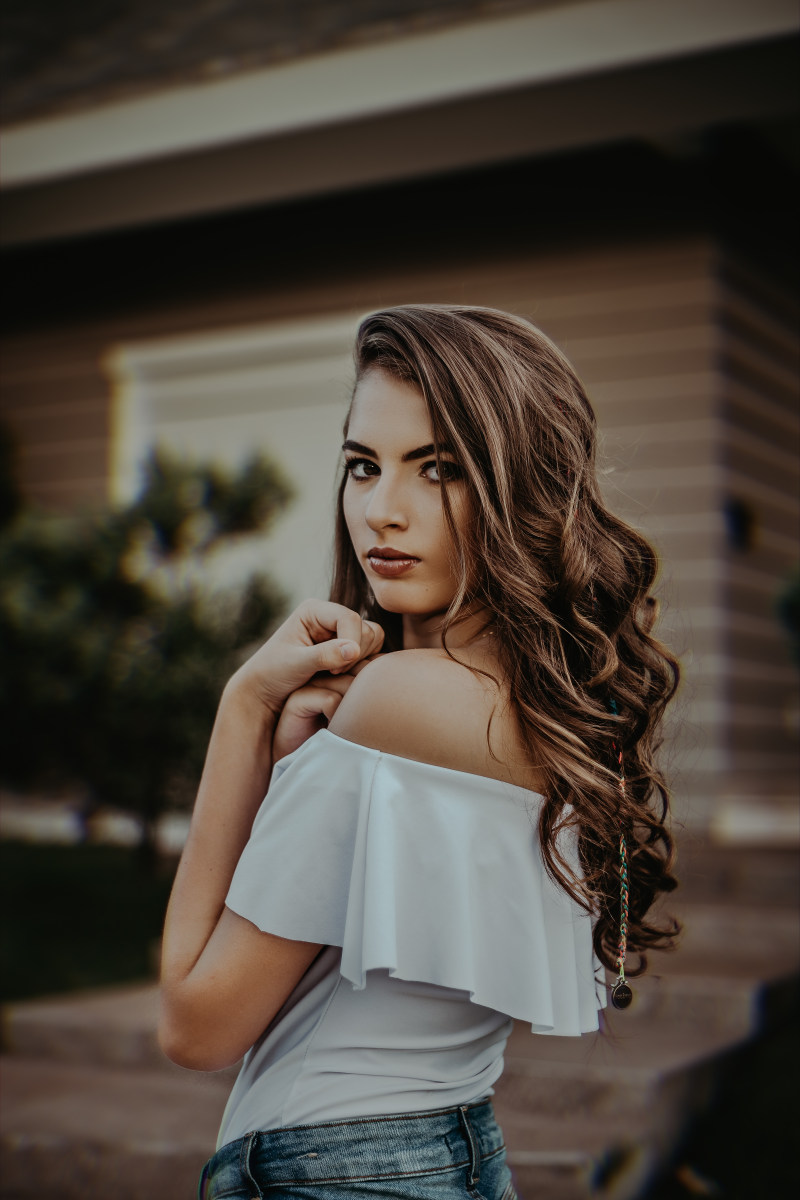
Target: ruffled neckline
{"type": "Point", "coordinates": [334, 738]}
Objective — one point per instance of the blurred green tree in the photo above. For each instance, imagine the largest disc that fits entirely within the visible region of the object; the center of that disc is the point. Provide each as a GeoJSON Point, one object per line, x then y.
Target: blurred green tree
{"type": "Point", "coordinates": [113, 652]}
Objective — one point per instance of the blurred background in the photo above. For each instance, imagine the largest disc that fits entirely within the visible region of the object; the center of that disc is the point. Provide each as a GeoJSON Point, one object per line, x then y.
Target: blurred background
{"type": "Point", "coordinates": [199, 199]}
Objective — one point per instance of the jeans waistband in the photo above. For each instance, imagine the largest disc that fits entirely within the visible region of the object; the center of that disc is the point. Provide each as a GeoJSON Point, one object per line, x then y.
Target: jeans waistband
{"type": "Point", "coordinates": [366, 1148]}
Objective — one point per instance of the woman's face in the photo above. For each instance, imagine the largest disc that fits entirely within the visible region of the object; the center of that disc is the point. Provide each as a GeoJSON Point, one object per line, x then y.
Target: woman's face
{"type": "Point", "coordinates": [392, 498]}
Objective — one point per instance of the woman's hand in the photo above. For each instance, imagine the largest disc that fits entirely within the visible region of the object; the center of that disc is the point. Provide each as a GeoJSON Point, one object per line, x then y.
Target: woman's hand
{"type": "Point", "coordinates": [319, 636]}
{"type": "Point", "coordinates": [310, 708]}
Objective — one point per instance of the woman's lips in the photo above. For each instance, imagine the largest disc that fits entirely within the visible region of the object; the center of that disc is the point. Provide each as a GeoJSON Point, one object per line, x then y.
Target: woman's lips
{"type": "Point", "coordinates": [391, 563]}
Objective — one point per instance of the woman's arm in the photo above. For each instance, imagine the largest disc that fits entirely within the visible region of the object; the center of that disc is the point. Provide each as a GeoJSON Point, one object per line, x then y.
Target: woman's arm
{"type": "Point", "coordinates": [223, 980]}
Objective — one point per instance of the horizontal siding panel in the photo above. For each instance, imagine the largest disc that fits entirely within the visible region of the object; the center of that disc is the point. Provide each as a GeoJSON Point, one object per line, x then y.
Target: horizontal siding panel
{"type": "Point", "coordinates": [626, 410]}
{"type": "Point", "coordinates": [662, 263]}
{"type": "Point", "coordinates": [781, 542]}
{"type": "Point", "coordinates": [738, 714]}
{"type": "Point", "coordinates": [665, 388]}
{"type": "Point", "coordinates": [673, 341]}
{"type": "Point", "coordinates": [754, 634]}
{"type": "Point", "coordinates": [767, 343]}
{"type": "Point", "coordinates": [770, 651]}
{"type": "Point", "coordinates": [774, 530]}
{"type": "Point", "coordinates": [640, 506]}
{"type": "Point", "coordinates": [57, 391]}
{"type": "Point", "coordinates": [567, 330]}
{"type": "Point", "coordinates": [765, 464]}
{"type": "Point", "coordinates": [71, 462]}
{"type": "Point", "coordinates": [67, 494]}
{"type": "Point", "coordinates": [753, 624]}
{"type": "Point", "coordinates": [56, 423]}
{"type": "Point", "coordinates": [779, 762]}
{"type": "Point", "coordinates": [668, 477]}
{"type": "Point", "coordinates": [760, 360]}
{"type": "Point", "coordinates": [716, 664]}
{"type": "Point", "coordinates": [662, 453]}
{"type": "Point", "coordinates": [775, 450]}
{"type": "Point", "coordinates": [755, 415]}
{"type": "Point", "coordinates": [770, 496]}
{"type": "Point", "coordinates": [677, 593]}
{"type": "Point", "coordinates": [658, 524]}
{"type": "Point", "coordinates": [760, 373]}
{"type": "Point", "coordinates": [34, 371]}
{"type": "Point", "coordinates": [73, 350]}
{"type": "Point", "coordinates": [768, 340]}
{"type": "Point", "coordinates": [607, 372]}
{"type": "Point", "coordinates": [658, 425]}
{"type": "Point", "coordinates": [741, 278]}
{"type": "Point", "coordinates": [761, 603]}
{"type": "Point", "coordinates": [762, 739]}
{"type": "Point", "coordinates": [772, 696]}
{"type": "Point", "coordinates": [750, 579]}
{"type": "Point", "coordinates": [697, 645]}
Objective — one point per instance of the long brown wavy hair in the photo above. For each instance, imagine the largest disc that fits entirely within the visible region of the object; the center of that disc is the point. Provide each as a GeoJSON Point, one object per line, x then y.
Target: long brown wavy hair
{"type": "Point", "coordinates": [567, 584]}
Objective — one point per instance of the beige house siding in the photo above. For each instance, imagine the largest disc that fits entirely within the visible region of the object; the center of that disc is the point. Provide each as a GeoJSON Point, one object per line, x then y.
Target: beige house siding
{"type": "Point", "coordinates": [54, 399]}
{"type": "Point", "coordinates": [688, 365]}
{"type": "Point", "coordinates": [759, 360]}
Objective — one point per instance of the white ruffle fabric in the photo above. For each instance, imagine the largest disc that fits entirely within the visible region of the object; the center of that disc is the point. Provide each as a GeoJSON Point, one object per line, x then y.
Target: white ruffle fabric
{"type": "Point", "coordinates": [432, 874]}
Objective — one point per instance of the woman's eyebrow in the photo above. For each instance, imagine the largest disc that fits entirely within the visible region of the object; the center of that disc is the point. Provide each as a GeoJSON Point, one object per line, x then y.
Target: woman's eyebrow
{"type": "Point", "coordinates": [411, 456]}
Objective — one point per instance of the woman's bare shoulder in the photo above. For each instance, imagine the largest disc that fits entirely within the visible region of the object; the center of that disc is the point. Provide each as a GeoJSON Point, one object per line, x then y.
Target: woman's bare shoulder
{"type": "Point", "coordinates": [420, 704]}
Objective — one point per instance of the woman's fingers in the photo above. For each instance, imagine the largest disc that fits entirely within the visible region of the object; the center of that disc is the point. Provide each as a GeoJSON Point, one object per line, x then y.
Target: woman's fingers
{"type": "Point", "coordinates": [340, 636]}
{"type": "Point", "coordinates": [306, 711]}
{"type": "Point", "coordinates": [323, 620]}
{"type": "Point", "coordinates": [314, 701]}
{"type": "Point", "coordinates": [336, 683]}
{"type": "Point", "coordinates": [319, 636]}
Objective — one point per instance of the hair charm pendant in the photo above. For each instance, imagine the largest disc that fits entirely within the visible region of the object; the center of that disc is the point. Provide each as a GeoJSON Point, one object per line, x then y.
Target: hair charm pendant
{"type": "Point", "coordinates": [621, 993]}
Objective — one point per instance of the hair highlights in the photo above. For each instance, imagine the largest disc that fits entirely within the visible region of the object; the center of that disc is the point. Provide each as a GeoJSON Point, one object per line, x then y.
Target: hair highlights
{"type": "Point", "coordinates": [566, 581]}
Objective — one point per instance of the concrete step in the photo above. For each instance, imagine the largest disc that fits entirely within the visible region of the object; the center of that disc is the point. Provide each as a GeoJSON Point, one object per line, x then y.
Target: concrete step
{"type": "Point", "coordinates": [87, 1132]}
{"type": "Point", "coordinates": [114, 1027]}
{"type": "Point", "coordinates": [583, 1159]}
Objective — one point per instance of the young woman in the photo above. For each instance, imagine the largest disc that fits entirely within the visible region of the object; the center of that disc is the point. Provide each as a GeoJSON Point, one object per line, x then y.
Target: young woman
{"type": "Point", "coordinates": [440, 847]}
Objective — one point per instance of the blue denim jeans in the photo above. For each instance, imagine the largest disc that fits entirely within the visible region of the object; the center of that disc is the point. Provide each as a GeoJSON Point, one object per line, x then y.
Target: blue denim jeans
{"type": "Point", "coordinates": [446, 1154]}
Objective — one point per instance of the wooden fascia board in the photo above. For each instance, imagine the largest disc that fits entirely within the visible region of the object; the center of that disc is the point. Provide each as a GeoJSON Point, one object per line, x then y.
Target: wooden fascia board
{"type": "Point", "coordinates": [427, 70]}
{"type": "Point", "coordinates": [679, 95]}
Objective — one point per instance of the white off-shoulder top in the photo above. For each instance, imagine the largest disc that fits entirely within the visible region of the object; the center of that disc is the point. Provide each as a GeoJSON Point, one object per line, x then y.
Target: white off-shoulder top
{"type": "Point", "coordinates": [427, 889]}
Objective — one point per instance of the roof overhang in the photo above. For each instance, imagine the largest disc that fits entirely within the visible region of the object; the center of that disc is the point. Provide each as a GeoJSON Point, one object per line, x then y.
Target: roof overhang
{"type": "Point", "coordinates": [492, 91]}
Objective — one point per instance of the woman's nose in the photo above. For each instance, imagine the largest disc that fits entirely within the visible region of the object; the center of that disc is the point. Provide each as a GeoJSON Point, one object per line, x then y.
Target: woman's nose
{"type": "Point", "coordinates": [385, 507]}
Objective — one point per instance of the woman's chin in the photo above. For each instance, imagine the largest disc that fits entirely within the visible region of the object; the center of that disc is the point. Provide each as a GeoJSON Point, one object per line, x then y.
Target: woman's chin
{"type": "Point", "coordinates": [393, 600]}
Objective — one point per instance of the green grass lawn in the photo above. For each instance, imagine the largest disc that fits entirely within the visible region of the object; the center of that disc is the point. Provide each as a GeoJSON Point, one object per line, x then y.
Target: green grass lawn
{"type": "Point", "coordinates": [76, 917]}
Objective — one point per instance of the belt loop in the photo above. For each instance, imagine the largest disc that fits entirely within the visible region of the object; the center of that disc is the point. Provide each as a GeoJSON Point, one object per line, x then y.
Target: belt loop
{"type": "Point", "coordinates": [244, 1164]}
{"type": "Point", "coordinates": [474, 1152]}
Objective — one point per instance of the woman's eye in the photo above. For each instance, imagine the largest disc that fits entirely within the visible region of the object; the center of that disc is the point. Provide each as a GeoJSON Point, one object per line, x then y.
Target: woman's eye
{"type": "Point", "coordinates": [450, 471]}
{"type": "Point", "coordinates": [361, 468]}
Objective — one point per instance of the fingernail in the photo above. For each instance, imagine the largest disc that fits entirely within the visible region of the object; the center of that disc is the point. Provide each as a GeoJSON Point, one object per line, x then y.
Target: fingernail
{"type": "Point", "coordinates": [348, 650]}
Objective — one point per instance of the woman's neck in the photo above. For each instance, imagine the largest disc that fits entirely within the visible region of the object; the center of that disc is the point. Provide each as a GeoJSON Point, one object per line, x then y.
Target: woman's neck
{"type": "Point", "coordinates": [425, 632]}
